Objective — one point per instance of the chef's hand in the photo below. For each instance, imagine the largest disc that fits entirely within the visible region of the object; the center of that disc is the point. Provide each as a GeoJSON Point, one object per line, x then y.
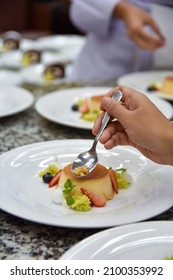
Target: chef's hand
{"type": "Point", "coordinates": [135, 20]}
{"type": "Point", "coordinates": [139, 124]}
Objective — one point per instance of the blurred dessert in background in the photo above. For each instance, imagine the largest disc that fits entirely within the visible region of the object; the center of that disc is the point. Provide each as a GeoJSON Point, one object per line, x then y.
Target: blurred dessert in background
{"type": "Point", "coordinates": [54, 72]}
{"type": "Point", "coordinates": [31, 57]}
{"type": "Point", "coordinates": [94, 103]}
{"type": "Point", "coordinates": [10, 41]}
{"type": "Point", "coordinates": [167, 85]}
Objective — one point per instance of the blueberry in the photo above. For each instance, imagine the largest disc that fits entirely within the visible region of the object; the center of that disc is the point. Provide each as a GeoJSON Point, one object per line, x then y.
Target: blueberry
{"type": "Point", "coordinates": [74, 107]}
{"type": "Point", "coordinates": [47, 177]}
{"type": "Point", "coordinates": [151, 88]}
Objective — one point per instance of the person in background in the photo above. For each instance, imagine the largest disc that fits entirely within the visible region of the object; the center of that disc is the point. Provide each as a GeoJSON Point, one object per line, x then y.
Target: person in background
{"type": "Point", "coordinates": [120, 37]}
{"type": "Point", "coordinates": [139, 124]}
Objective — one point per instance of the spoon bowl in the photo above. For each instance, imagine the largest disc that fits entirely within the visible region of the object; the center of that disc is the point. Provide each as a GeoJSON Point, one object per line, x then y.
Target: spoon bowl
{"type": "Point", "coordinates": [87, 161]}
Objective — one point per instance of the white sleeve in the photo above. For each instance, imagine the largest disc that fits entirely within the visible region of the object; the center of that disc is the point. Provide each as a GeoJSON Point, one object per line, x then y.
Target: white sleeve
{"type": "Point", "coordinates": [92, 15]}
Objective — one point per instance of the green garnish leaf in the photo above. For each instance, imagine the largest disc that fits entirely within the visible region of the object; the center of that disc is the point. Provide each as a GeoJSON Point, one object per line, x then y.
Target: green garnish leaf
{"type": "Point", "coordinates": [68, 186]}
{"type": "Point", "coordinates": [70, 200]}
{"type": "Point", "coordinates": [121, 170]}
{"type": "Point", "coordinates": [78, 202]}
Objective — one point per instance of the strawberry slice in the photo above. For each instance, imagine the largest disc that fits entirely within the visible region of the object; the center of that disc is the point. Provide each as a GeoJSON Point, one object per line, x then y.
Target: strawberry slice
{"type": "Point", "coordinates": [97, 200]}
{"type": "Point", "coordinates": [55, 179]}
{"type": "Point", "coordinates": [84, 108]}
{"type": "Point", "coordinates": [113, 179]}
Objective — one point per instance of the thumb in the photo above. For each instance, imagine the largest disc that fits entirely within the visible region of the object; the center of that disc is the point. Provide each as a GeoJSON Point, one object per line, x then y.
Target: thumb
{"type": "Point", "coordinates": [115, 109]}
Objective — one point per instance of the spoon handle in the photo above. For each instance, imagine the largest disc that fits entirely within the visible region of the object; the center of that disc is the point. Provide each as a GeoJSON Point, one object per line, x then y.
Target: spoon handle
{"type": "Point", "coordinates": [117, 95]}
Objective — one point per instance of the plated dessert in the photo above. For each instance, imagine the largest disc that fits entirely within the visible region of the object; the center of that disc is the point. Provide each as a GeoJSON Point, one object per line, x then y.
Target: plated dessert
{"type": "Point", "coordinates": [10, 41]}
{"type": "Point", "coordinates": [165, 87]}
{"type": "Point", "coordinates": [88, 107]}
{"type": "Point", "coordinates": [54, 71]}
{"type": "Point", "coordinates": [31, 56]}
{"type": "Point", "coordinates": [82, 193]}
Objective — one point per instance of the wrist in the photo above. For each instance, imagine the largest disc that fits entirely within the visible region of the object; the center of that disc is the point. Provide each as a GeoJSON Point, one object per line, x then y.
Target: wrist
{"type": "Point", "coordinates": [168, 144]}
{"type": "Point", "coordinates": [121, 9]}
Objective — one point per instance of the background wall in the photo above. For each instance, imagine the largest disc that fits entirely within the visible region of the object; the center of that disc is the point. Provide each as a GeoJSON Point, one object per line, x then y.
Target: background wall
{"type": "Point", "coordinates": [34, 17]}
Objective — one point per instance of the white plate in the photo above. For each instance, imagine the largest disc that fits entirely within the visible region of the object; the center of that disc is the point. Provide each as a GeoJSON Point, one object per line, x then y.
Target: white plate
{"type": "Point", "coordinates": [56, 106]}
{"type": "Point", "coordinates": [14, 99]}
{"type": "Point", "coordinates": [141, 80]}
{"type": "Point", "coordinates": [61, 42]}
{"type": "Point", "coordinates": [14, 59]}
{"type": "Point", "coordinates": [141, 241]}
{"type": "Point", "coordinates": [25, 195]}
{"type": "Point", "coordinates": [8, 77]}
{"type": "Point", "coordinates": [24, 45]}
{"type": "Point", "coordinates": [34, 75]}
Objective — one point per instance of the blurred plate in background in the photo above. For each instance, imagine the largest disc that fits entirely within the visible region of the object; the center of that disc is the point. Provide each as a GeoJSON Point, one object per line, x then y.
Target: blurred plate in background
{"type": "Point", "coordinates": [24, 45]}
{"type": "Point", "coordinates": [34, 75]}
{"type": "Point", "coordinates": [13, 60]}
{"type": "Point", "coordinates": [61, 42]}
{"type": "Point", "coordinates": [140, 81]}
{"type": "Point", "coordinates": [8, 77]}
{"type": "Point", "coordinates": [14, 99]}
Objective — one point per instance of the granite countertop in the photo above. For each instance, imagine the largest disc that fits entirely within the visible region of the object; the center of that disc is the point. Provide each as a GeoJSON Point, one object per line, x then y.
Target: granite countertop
{"type": "Point", "coordinates": [21, 239]}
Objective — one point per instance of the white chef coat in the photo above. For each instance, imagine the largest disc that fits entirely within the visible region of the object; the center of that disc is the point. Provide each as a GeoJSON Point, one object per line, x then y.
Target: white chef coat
{"type": "Point", "coordinates": [163, 57]}
{"type": "Point", "coordinates": [108, 52]}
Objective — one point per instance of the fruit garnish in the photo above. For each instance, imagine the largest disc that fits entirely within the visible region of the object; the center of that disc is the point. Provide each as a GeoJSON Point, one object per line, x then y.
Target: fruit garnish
{"type": "Point", "coordinates": [55, 179]}
{"type": "Point", "coordinates": [97, 200]}
{"type": "Point", "coordinates": [153, 87]}
{"type": "Point", "coordinates": [84, 107]}
{"type": "Point", "coordinates": [74, 107]}
{"type": "Point", "coordinates": [113, 179]}
{"type": "Point", "coordinates": [47, 177]}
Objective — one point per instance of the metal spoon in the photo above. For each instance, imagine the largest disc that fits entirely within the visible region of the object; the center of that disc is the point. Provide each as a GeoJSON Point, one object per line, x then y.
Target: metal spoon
{"type": "Point", "coordinates": [89, 159]}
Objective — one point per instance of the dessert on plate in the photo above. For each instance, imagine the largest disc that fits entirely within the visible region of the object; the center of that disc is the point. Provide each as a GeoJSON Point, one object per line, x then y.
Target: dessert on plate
{"type": "Point", "coordinates": [54, 71]}
{"type": "Point", "coordinates": [30, 57]}
{"type": "Point", "coordinates": [167, 85]}
{"type": "Point", "coordinates": [10, 44]}
{"type": "Point", "coordinates": [10, 41]}
{"type": "Point", "coordinates": [82, 193]}
{"type": "Point", "coordinates": [89, 107]}
{"type": "Point", "coordinates": [98, 181]}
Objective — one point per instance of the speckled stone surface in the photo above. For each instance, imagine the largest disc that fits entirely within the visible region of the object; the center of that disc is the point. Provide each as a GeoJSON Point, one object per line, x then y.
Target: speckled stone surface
{"type": "Point", "coordinates": [21, 239]}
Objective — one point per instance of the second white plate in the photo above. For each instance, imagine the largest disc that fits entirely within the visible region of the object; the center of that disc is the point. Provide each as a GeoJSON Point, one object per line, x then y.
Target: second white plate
{"type": "Point", "coordinates": [57, 106]}
{"type": "Point", "coordinates": [8, 77]}
{"type": "Point", "coordinates": [142, 80]}
{"type": "Point", "coordinates": [141, 241]}
{"type": "Point", "coordinates": [14, 99]}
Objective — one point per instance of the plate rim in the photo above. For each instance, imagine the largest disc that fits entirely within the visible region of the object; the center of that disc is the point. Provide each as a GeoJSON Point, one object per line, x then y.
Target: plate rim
{"type": "Point", "coordinates": [123, 229]}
